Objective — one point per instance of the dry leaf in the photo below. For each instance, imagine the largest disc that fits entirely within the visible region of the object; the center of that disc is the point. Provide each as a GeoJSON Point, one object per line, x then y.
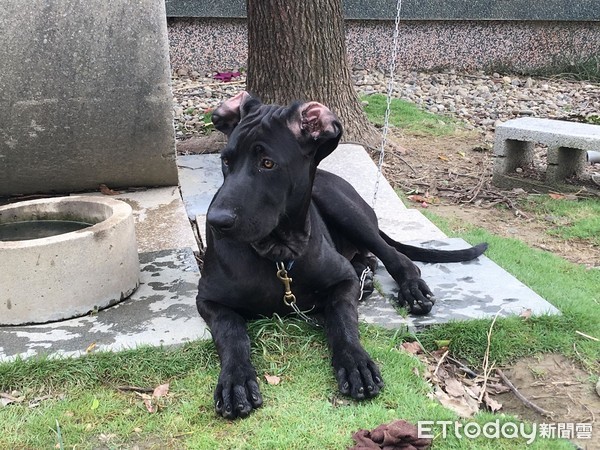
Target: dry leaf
{"type": "Point", "coordinates": [90, 348]}
{"type": "Point", "coordinates": [149, 406]}
{"type": "Point", "coordinates": [443, 158]}
{"type": "Point", "coordinates": [454, 387]}
{"type": "Point", "coordinates": [273, 380]}
{"type": "Point", "coordinates": [496, 388]}
{"type": "Point", "coordinates": [161, 390]}
{"type": "Point", "coordinates": [414, 348]}
{"type": "Point", "coordinates": [5, 401]}
{"type": "Point", "coordinates": [491, 403]}
{"type": "Point", "coordinates": [104, 189]}
{"type": "Point", "coordinates": [526, 314]}
{"type": "Point", "coordinates": [463, 406]}
{"type": "Point", "coordinates": [556, 196]}
{"type": "Point", "coordinates": [473, 391]}
{"type": "Point", "coordinates": [418, 198]}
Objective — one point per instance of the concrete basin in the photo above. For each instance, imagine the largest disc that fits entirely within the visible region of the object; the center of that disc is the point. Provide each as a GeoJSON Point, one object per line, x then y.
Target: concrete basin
{"type": "Point", "coordinates": [61, 274]}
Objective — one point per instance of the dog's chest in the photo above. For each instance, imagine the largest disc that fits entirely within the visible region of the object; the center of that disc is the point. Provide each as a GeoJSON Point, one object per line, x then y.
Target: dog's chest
{"type": "Point", "coordinates": [249, 283]}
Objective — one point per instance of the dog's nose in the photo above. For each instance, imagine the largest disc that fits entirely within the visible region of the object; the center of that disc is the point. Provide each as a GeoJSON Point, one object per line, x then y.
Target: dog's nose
{"type": "Point", "coordinates": [221, 220]}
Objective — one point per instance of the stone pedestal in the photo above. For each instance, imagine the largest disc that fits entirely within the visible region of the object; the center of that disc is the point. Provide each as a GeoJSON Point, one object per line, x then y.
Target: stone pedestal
{"type": "Point", "coordinates": [84, 96]}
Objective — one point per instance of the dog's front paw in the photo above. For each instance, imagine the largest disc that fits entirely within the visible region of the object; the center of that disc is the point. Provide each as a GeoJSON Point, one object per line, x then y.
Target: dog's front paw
{"type": "Point", "coordinates": [237, 392]}
{"type": "Point", "coordinates": [416, 296]}
{"type": "Point", "coordinates": [357, 375]}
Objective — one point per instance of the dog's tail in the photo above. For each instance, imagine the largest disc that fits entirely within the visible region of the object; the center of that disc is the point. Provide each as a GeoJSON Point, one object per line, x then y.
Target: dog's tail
{"type": "Point", "coordinates": [432, 255]}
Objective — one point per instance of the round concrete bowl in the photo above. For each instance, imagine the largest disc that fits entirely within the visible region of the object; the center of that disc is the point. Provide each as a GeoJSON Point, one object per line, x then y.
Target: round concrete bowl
{"type": "Point", "coordinates": [72, 273]}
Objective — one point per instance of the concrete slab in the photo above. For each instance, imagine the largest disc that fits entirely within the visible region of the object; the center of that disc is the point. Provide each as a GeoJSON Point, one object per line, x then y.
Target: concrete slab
{"type": "Point", "coordinates": [475, 289]}
{"type": "Point", "coordinates": [160, 219]}
{"type": "Point", "coordinates": [161, 312]}
{"type": "Point", "coordinates": [554, 133]}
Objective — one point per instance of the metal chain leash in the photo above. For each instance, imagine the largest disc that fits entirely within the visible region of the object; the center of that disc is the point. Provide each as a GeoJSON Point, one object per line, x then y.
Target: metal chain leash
{"type": "Point", "coordinates": [290, 299]}
{"type": "Point", "coordinates": [390, 91]}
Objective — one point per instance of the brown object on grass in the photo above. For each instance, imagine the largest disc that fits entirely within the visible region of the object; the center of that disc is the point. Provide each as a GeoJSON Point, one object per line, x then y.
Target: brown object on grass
{"type": "Point", "coordinates": [396, 435]}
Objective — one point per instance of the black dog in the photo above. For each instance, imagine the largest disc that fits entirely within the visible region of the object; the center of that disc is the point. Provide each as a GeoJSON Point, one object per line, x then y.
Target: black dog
{"type": "Point", "coordinates": [275, 215]}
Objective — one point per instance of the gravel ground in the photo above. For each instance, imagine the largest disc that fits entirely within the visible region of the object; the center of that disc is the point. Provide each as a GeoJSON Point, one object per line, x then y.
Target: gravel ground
{"type": "Point", "coordinates": [478, 99]}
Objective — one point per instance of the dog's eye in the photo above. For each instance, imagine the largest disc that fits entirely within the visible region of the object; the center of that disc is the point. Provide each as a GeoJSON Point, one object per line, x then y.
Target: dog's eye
{"type": "Point", "coordinates": [266, 163]}
{"type": "Point", "coordinates": [225, 161]}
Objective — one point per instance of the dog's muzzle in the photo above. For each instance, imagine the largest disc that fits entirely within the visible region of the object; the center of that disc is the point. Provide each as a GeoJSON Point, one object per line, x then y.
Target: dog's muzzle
{"type": "Point", "coordinates": [221, 221]}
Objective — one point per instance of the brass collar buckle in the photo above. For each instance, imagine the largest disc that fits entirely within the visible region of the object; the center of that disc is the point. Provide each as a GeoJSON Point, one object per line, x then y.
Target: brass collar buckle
{"type": "Point", "coordinates": [288, 298]}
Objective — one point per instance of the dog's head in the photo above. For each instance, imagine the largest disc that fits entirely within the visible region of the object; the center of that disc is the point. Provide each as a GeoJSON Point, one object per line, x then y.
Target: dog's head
{"type": "Point", "coordinates": [268, 164]}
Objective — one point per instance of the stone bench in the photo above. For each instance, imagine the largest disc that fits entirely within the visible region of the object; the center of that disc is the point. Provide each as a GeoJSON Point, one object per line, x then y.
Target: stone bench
{"type": "Point", "coordinates": [568, 143]}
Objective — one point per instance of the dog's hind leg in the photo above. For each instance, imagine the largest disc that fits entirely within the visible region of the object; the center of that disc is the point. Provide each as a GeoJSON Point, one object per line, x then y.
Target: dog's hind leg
{"type": "Point", "coordinates": [356, 373]}
{"type": "Point", "coordinates": [237, 391]}
{"type": "Point", "coordinates": [348, 215]}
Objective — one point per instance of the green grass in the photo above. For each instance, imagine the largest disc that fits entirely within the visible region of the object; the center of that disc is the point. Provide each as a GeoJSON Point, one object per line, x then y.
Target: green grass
{"type": "Point", "coordinates": [303, 412]}
{"type": "Point", "coordinates": [573, 289]}
{"type": "Point", "coordinates": [568, 219]}
{"type": "Point", "coordinates": [408, 116]}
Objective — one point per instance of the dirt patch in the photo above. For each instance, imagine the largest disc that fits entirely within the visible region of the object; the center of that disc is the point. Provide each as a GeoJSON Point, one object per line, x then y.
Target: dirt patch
{"type": "Point", "coordinates": [555, 384]}
{"type": "Point", "coordinates": [452, 176]}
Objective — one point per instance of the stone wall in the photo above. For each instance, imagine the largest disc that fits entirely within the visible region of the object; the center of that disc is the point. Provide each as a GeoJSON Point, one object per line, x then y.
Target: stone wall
{"type": "Point", "coordinates": [84, 96]}
{"type": "Point", "coordinates": [548, 10]}
{"type": "Point", "coordinates": [454, 34]}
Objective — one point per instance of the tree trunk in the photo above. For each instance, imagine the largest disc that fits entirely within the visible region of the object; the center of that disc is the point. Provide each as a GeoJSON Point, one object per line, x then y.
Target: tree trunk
{"type": "Point", "coordinates": [297, 51]}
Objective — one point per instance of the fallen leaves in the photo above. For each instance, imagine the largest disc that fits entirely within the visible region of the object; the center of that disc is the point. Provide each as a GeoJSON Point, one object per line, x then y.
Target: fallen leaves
{"type": "Point", "coordinates": [414, 348]}
{"type": "Point", "coordinates": [17, 397]}
{"type": "Point", "coordinates": [105, 190]}
{"type": "Point", "coordinates": [424, 200]}
{"type": "Point", "coordinates": [560, 196]}
{"type": "Point", "coordinates": [454, 385]}
{"type": "Point", "coordinates": [273, 380]}
{"type": "Point", "coordinates": [226, 77]}
{"type": "Point", "coordinates": [14, 397]}
{"type": "Point", "coordinates": [526, 313]}
{"type": "Point", "coordinates": [153, 402]}
{"type": "Point", "coordinates": [90, 348]}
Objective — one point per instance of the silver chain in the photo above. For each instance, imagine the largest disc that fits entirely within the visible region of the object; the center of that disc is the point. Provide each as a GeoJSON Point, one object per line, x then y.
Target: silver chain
{"type": "Point", "coordinates": [363, 278]}
{"type": "Point", "coordinates": [390, 91]}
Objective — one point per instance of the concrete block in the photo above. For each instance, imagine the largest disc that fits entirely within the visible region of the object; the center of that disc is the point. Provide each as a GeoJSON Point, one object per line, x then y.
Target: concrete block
{"type": "Point", "coordinates": [564, 162]}
{"type": "Point", "coordinates": [511, 154]}
{"type": "Point", "coordinates": [568, 143]}
{"type": "Point", "coordinates": [84, 96]}
{"type": "Point", "coordinates": [553, 133]}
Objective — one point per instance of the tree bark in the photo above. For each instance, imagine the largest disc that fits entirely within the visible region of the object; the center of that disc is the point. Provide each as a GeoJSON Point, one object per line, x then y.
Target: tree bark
{"type": "Point", "coordinates": [297, 51]}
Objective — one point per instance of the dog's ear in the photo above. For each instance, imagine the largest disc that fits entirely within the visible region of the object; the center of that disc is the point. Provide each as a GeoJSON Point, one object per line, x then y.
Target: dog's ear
{"type": "Point", "coordinates": [317, 124]}
{"type": "Point", "coordinates": [226, 117]}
